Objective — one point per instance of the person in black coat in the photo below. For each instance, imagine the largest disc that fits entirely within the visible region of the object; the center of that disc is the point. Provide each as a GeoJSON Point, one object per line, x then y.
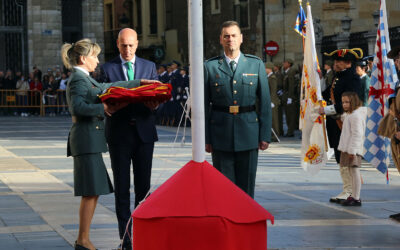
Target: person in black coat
{"type": "Point", "coordinates": [131, 131]}
{"type": "Point", "coordinates": [345, 80]}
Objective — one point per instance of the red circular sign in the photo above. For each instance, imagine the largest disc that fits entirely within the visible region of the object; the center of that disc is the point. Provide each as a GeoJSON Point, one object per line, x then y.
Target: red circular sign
{"type": "Point", "coordinates": [271, 48]}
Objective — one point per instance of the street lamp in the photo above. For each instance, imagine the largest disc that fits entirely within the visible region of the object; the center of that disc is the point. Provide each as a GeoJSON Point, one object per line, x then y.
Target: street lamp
{"type": "Point", "coordinates": [376, 16]}
{"type": "Point", "coordinates": [346, 23]}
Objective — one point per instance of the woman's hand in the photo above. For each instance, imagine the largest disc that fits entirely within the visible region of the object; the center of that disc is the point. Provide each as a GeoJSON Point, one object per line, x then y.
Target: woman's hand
{"type": "Point", "coordinates": [110, 108]}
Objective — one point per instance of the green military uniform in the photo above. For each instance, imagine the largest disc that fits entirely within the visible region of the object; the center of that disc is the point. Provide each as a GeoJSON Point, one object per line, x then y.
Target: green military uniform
{"type": "Point", "coordinates": [279, 79]}
{"type": "Point", "coordinates": [275, 100]}
{"type": "Point", "coordinates": [328, 78]}
{"type": "Point", "coordinates": [290, 90]}
{"type": "Point", "coordinates": [86, 140]}
{"type": "Point", "coordinates": [233, 127]}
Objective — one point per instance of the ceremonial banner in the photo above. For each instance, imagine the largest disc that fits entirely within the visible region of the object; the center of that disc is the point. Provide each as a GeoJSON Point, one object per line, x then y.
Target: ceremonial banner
{"type": "Point", "coordinates": [198, 208]}
{"type": "Point", "coordinates": [383, 82]}
{"type": "Point", "coordinates": [314, 145]}
{"type": "Point", "coordinates": [300, 24]}
{"type": "Point", "coordinates": [150, 92]}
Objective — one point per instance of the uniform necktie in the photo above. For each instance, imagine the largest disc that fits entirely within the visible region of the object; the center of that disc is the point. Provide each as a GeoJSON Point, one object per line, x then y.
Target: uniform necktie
{"type": "Point", "coordinates": [233, 66]}
{"type": "Point", "coordinates": [129, 70]}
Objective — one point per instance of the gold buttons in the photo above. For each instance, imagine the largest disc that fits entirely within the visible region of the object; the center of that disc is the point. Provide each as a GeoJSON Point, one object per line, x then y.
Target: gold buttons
{"type": "Point", "coordinates": [234, 81]}
{"type": "Point", "coordinates": [256, 119]}
{"type": "Point", "coordinates": [216, 84]}
{"type": "Point", "coordinates": [251, 83]}
{"type": "Point", "coordinates": [97, 127]}
{"type": "Point", "coordinates": [234, 92]}
{"type": "Point", "coordinates": [234, 102]}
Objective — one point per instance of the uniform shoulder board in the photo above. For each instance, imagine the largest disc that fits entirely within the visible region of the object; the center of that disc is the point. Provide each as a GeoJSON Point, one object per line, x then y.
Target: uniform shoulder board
{"type": "Point", "coordinates": [252, 56]}
{"type": "Point", "coordinates": [213, 58]}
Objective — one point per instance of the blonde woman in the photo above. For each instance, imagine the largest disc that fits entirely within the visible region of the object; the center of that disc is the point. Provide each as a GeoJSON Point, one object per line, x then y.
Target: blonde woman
{"type": "Point", "coordinates": [86, 140]}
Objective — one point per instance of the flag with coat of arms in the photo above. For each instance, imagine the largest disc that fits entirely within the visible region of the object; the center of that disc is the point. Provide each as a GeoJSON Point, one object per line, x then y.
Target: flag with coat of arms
{"type": "Point", "coordinates": [383, 82]}
{"type": "Point", "coordinates": [314, 147]}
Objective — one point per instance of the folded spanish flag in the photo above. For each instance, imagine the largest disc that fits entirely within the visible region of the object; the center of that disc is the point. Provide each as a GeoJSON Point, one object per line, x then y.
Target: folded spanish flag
{"type": "Point", "coordinates": [150, 92]}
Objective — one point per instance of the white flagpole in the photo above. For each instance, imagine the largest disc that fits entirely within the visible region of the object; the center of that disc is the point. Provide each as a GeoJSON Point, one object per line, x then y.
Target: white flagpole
{"type": "Point", "coordinates": [195, 11]}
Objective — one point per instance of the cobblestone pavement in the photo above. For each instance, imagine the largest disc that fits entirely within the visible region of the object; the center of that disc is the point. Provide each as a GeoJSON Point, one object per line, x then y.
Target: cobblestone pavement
{"type": "Point", "coordinates": [38, 209]}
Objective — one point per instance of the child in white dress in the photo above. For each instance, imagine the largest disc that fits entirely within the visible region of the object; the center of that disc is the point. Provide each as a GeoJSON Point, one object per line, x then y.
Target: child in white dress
{"type": "Point", "coordinates": [351, 142]}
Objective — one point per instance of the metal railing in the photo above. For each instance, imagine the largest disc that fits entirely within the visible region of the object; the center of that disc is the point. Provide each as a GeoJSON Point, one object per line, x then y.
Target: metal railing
{"type": "Point", "coordinates": [33, 101]}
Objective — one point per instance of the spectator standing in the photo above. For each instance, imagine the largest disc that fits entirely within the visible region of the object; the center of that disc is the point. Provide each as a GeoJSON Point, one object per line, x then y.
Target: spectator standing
{"type": "Point", "coordinates": [361, 70]}
{"type": "Point", "coordinates": [61, 97]}
{"type": "Point", "coordinates": [36, 88]}
{"type": "Point", "coordinates": [22, 95]}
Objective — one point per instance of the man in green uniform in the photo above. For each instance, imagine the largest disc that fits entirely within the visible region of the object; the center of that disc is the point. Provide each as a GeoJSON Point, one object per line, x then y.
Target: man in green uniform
{"type": "Point", "coordinates": [329, 75]}
{"type": "Point", "coordinates": [279, 79]}
{"type": "Point", "coordinates": [290, 96]}
{"type": "Point", "coordinates": [275, 101]}
{"type": "Point", "coordinates": [233, 84]}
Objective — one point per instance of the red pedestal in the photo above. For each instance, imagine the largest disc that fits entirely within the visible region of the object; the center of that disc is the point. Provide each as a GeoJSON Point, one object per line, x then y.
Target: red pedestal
{"type": "Point", "coordinates": [198, 208]}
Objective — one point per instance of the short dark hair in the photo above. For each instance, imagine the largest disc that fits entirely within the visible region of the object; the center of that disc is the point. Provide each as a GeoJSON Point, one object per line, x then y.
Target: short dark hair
{"type": "Point", "coordinates": [229, 24]}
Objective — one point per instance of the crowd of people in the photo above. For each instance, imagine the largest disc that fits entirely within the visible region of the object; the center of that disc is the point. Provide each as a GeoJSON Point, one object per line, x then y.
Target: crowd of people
{"type": "Point", "coordinates": [27, 90]}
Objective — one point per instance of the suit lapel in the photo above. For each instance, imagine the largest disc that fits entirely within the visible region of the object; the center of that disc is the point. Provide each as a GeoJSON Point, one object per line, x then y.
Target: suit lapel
{"type": "Point", "coordinates": [118, 69]}
{"type": "Point", "coordinates": [138, 69]}
{"type": "Point", "coordinates": [223, 66]}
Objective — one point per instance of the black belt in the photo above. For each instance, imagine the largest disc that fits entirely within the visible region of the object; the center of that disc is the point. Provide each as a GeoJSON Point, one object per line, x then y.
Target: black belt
{"type": "Point", "coordinates": [235, 109]}
{"type": "Point", "coordinates": [86, 118]}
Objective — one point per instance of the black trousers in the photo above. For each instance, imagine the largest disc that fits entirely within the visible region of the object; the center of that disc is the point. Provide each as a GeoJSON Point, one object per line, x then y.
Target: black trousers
{"type": "Point", "coordinates": [140, 155]}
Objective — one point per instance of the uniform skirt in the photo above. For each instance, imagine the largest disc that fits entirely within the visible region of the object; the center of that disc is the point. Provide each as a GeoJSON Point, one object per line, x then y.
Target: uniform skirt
{"type": "Point", "coordinates": [345, 160]}
{"type": "Point", "coordinates": [90, 175]}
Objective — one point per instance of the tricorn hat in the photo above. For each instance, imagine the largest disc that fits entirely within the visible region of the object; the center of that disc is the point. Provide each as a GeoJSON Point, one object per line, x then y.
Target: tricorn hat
{"type": "Point", "coordinates": [393, 53]}
{"type": "Point", "coordinates": [346, 54]}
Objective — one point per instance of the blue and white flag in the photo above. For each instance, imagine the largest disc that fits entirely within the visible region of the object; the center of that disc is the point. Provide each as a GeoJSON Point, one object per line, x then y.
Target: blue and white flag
{"type": "Point", "coordinates": [301, 20]}
{"type": "Point", "coordinates": [383, 82]}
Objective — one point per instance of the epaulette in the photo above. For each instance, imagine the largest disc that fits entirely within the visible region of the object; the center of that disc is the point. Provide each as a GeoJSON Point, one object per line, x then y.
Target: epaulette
{"type": "Point", "coordinates": [252, 56]}
{"type": "Point", "coordinates": [213, 58]}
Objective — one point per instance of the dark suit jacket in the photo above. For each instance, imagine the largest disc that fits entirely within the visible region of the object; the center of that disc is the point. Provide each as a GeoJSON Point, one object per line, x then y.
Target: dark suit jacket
{"type": "Point", "coordinates": [118, 126]}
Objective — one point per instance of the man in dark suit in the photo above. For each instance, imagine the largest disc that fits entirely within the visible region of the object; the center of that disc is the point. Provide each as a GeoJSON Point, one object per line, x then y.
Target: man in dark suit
{"type": "Point", "coordinates": [131, 131]}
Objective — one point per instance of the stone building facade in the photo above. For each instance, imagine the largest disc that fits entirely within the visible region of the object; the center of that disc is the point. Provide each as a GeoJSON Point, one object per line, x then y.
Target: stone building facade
{"type": "Point", "coordinates": [44, 25]}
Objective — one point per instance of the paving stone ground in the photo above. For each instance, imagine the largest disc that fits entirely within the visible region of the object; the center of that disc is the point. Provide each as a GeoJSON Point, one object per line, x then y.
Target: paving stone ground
{"type": "Point", "coordinates": [38, 209]}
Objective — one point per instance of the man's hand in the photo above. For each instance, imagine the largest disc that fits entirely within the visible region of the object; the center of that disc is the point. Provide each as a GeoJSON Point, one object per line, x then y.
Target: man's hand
{"type": "Point", "coordinates": [321, 111]}
{"type": "Point", "coordinates": [151, 104]}
{"type": "Point", "coordinates": [263, 145]}
{"type": "Point", "coordinates": [209, 148]}
{"type": "Point", "coordinates": [146, 82]}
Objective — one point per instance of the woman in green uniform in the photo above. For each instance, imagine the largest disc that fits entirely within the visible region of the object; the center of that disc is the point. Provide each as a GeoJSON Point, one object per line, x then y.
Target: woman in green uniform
{"type": "Point", "coordinates": [86, 140]}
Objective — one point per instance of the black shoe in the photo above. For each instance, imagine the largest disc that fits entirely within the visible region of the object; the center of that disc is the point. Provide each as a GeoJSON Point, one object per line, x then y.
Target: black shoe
{"type": "Point", "coordinates": [124, 247]}
{"type": "Point", "coordinates": [79, 247]}
{"type": "Point", "coordinates": [351, 202]}
{"type": "Point", "coordinates": [395, 216]}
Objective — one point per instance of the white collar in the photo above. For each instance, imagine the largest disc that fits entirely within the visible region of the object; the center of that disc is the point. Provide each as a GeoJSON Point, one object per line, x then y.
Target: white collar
{"type": "Point", "coordinates": [133, 60]}
{"type": "Point", "coordinates": [364, 75]}
{"type": "Point", "coordinates": [271, 73]}
{"type": "Point", "coordinates": [329, 70]}
{"type": "Point", "coordinates": [286, 70]}
{"type": "Point", "coordinates": [228, 60]}
{"type": "Point", "coordinates": [82, 69]}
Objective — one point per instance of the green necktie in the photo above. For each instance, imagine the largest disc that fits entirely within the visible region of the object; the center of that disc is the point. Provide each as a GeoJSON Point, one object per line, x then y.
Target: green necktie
{"type": "Point", "coordinates": [129, 70]}
{"type": "Point", "coordinates": [233, 66]}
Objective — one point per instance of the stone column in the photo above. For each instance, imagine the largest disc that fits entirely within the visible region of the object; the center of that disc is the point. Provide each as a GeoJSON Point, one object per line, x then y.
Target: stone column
{"type": "Point", "coordinates": [319, 34]}
{"type": "Point", "coordinates": [343, 39]}
{"type": "Point", "coordinates": [93, 23]}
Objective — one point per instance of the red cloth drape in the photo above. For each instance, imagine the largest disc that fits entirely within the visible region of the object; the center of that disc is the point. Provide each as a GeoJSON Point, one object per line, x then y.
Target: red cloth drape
{"type": "Point", "coordinates": [199, 208]}
{"type": "Point", "coordinates": [150, 92]}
